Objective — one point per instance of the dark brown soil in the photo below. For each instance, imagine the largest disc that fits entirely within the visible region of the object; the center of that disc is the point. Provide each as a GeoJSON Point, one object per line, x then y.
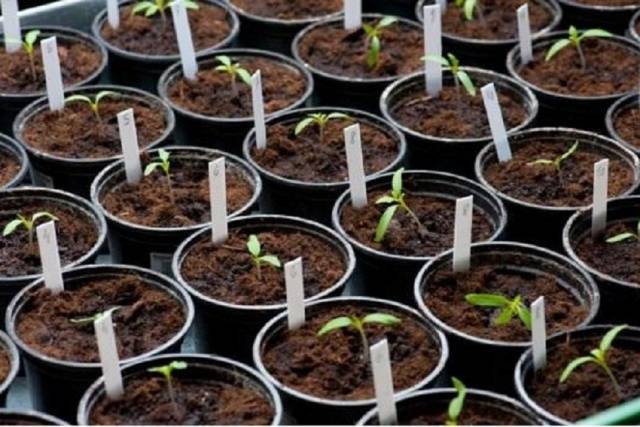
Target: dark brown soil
{"type": "Point", "coordinates": [454, 113]}
{"type": "Point", "coordinates": [542, 184]}
{"type": "Point", "coordinates": [608, 2]}
{"type": "Point", "coordinates": [588, 390]}
{"type": "Point", "coordinates": [156, 36]}
{"type": "Point", "coordinates": [5, 365]}
{"type": "Point", "coordinates": [333, 366]}
{"type": "Point", "coordinates": [611, 68]}
{"type": "Point", "coordinates": [75, 132]}
{"type": "Point", "coordinates": [334, 50]}
{"type": "Point", "coordinates": [77, 62]}
{"type": "Point", "coordinates": [213, 94]}
{"type": "Point", "coordinates": [310, 157]}
{"type": "Point", "coordinates": [21, 420]}
{"type": "Point", "coordinates": [150, 203]}
{"type": "Point", "coordinates": [147, 318]}
{"type": "Point", "coordinates": [627, 125]}
{"type": "Point", "coordinates": [498, 20]}
{"type": "Point", "coordinates": [289, 9]}
{"type": "Point", "coordinates": [9, 166]}
{"type": "Point", "coordinates": [198, 401]}
{"type": "Point", "coordinates": [227, 272]}
{"type": "Point", "coordinates": [76, 233]}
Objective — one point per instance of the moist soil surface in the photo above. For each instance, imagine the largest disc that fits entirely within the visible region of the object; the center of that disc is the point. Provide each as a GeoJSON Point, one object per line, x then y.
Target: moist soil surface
{"type": "Point", "coordinates": [228, 272]}
{"type": "Point", "coordinates": [21, 420]}
{"type": "Point", "coordinates": [312, 157]}
{"type": "Point", "coordinates": [198, 401]}
{"type": "Point", "coordinates": [213, 94]}
{"type": "Point", "coordinates": [77, 133]}
{"type": "Point", "coordinates": [9, 166]}
{"type": "Point", "coordinates": [336, 51]}
{"type": "Point", "coordinates": [289, 9]}
{"type": "Point", "coordinates": [611, 68]}
{"type": "Point", "coordinates": [454, 113]}
{"type": "Point", "coordinates": [152, 203]}
{"type": "Point", "coordinates": [333, 366]}
{"type": "Point", "coordinates": [5, 364]}
{"type": "Point", "coordinates": [627, 125]}
{"type": "Point", "coordinates": [60, 326]}
{"type": "Point", "coordinates": [588, 390]}
{"type": "Point", "coordinates": [156, 36]}
{"type": "Point", "coordinates": [78, 61]}
{"type": "Point", "coordinates": [543, 184]}
{"type": "Point", "coordinates": [76, 233]}
{"type": "Point", "coordinates": [498, 20]}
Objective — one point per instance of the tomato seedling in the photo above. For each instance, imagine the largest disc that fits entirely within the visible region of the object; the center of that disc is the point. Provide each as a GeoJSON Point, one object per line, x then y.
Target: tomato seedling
{"type": "Point", "coordinates": [255, 250]}
{"type": "Point", "coordinates": [396, 199]}
{"type": "Point", "coordinates": [508, 308]}
{"type": "Point", "coordinates": [451, 63]}
{"type": "Point", "coordinates": [27, 223]}
{"type": "Point", "coordinates": [557, 162]}
{"type": "Point", "coordinates": [468, 8]}
{"type": "Point", "coordinates": [457, 403]}
{"type": "Point", "coordinates": [575, 39]}
{"type": "Point", "coordinates": [167, 372]}
{"type": "Point", "coordinates": [150, 8]}
{"type": "Point", "coordinates": [373, 34]}
{"type": "Point", "coordinates": [234, 69]}
{"type": "Point", "coordinates": [627, 235]}
{"type": "Point", "coordinates": [164, 164]}
{"type": "Point", "coordinates": [94, 103]}
{"type": "Point", "coordinates": [320, 120]}
{"type": "Point", "coordinates": [28, 46]}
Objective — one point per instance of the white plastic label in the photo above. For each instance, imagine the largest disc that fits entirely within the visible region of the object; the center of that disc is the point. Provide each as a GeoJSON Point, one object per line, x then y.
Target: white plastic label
{"type": "Point", "coordinates": [355, 164]}
{"type": "Point", "coordinates": [218, 200]}
{"type": "Point", "coordinates": [185, 41]}
{"type": "Point", "coordinates": [130, 149]}
{"type": "Point", "coordinates": [50, 257]}
{"type": "Point", "coordinates": [109, 359]}
{"type": "Point", "coordinates": [538, 334]}
{"type": "Point", "coordinates": [258, 110]}
{"type": "Point", "coordinates": [113, 14]}
{"type": "Point", "coordinates": [462, 234]}
{"type": "Point", "coordinates": [432, 46]}
{"type": "Point", "coordinates": [600, 196]}
{"type": "Point", "coordinates": [11, 26]}
{"type": "Point", "coordinates": [383, 383]}
{"type": "Point", "coordinates": [52, 74]}
{"type": "Point", "coordinates": [496, 122]}
{"type": "Point", "coordinates": [524, 34]}
{"type": "Point", "coordinates": [294, 283]}
{"type": "Point", "coordinates": [352, 14]}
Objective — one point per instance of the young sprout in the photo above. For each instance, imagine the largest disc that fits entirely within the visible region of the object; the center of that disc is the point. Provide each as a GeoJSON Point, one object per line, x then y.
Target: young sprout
{"type": "Point", "coordinates": [94, 103]}
{"type": "Point", "coordinates": [28, 45]}
{"type": "Point", "coordinates": [165, 165]}
{"type": "Point", "coordinates": [373, 33]}
{"type": "Point", "coordinates": [167, 372]}
{"type": "Point", "coordinates": [258, 258]}
{"type": "Point", "coordinates": [626, 236]}
{"type": "Point", "coordinates": [457, 403]}
{"type": "Point", "coordinates": [320, 120]}
{"type": "Point", "coordinates": [575, 38]}
{"type": "Point", "coordinates": [557, 162]}
{"type": "Point", "coordinates": [27, 223]}
{"type": "Point", "coordinates": [451, 63]}
{"type": "Point", "coordinates": [468, 7]}
{"type": "Point", "coordinates": [87, 320]}
{"type": "Point", "coordinates": [358, 323]}
{"type": "Point", "coordinates": [396, 200]}
{"type": "Point", "coordinates": [598, 356]}
{"type": "Point", "coordinates": [234, 70]}
{"type": "Point", "coordinates": [508, 308]}
{"type": "Point", "coordinates": [151, 7]}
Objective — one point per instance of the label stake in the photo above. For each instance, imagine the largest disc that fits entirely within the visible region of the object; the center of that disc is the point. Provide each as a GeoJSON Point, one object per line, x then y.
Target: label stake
{"type": "Point", "coordinates": [432, 46]}
{"type": "Point", "coordinates": [185, 41]}
{"type": "Point", "coordinates": [383, 383]}
{"type": "Point", "coordinates": [524, 34]}
{"type": "Point", "coordinates": [50, 257]}
{"type": "Point", "coordinates": [294, 282]}
{"type": "Point", "coordinates": [109, 359]}
{"type": "Point", "coordinates": [355, 164]}
{"type": "Point", "coordinates": [218, 200]}
{"type": "Point", "coordinates": [52, 74]}
{"type": "Point", "coordinates": [352, 14]}
{"type": "Point", "coordinates": [129, 143]}
{"type": "Point", "coordinates": [538, 334]}
{"type": "Point", "coordinates": [113, 14]}
{"type": "Point", "coordinates": [11, 26]}
{"type": "Point", "coordinates": [258, 110]}
{"type": "Point", "coordinates": [462, 234]}
{"type": "Point", "coordinates": [600, 196]}
{"type": "Point", "coordinates": [496, 122]}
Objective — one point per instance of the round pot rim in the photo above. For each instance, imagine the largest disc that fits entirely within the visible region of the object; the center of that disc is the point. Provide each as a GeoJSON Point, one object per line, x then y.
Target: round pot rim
{"type": "Point", "coordinates": [361, 247]}
{"type": "Point", "coordinates": [14, 361]}
{"type": "Point", "coordinates": [117, 166]}
{"type": "Point", "coordinates": [344, 79]}
{"type": "Point", "coordinates": [285, 221]}
{"type": "Point", "coordinates": [211, 359]}
{"type": "Point", "coordinates": [39, 105]}
{"type": "Point", "coordinates": [632, 26]}
{"type": "Point", "coordinates": [175, 70]}
{"type": "Point", "coordinates": [101, 17]}
{"type": "Point", "coordinates": [599, 8]}
{"type": "Point", "coordinates": [436, 335]}
{"type": "Point", "coordinates": [359, 116]}
{"type": "Point", "coordinates": [31, 413]}
{"type": "Point", "coordinates": [288, 23]}
{"type": "Point", "coordinates": [516, 247]}
{"type": "Point", "coordinates": [70, 33]}
{"type": "Point", "coordinates": [532, 133]}
{"type": "Point", "coordinates": [99, 270]}
{"type": "Point", "coordinates": [547, 39]}
{"type": "Point", "coordinates": [615, 108]}
{"type": "Point", "coordinates": [63, 197]}
{"type": "Point", "coordinates": [12, 145]}
{"type": "Point", "coordinates": [529, 98]}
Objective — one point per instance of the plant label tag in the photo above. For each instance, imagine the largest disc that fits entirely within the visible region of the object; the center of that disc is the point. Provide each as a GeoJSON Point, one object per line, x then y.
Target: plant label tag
{"type": "Point", "coordinates": [352, 14]}
{"type": "Point", "coordinates": [185, 41]}
{"type": "Point", "coordinates": [432, 47]}
{"type": "Point", "coordinates": [600, 195]}
{"type": "Point", "coordinates": [11, 26]}
{"type": "Point", "coordinates": [113, 14]}
{"type": "Point", "coordinates": [524, 34]}
{"type": "Point", "coordinates": [355, 164]}
{"type": "Point", "coordinates": [109, 359]}
{"type": "Point", "coordinates": [129, 143]}
{"type": "Point", "coordinates": [218, 200]}
{"type": "Point", "coordinates": [496, 122]}
{"type": "Point", "coordinates": [258, 110]}
{"type": "Point", "coordinates": [52, 74]}
{"type": "Point", "coordinates": [462, 234]}
{"type": "Point", "coordinates": [383, 383]}
{"type": "Point", "coordinates": [293, 280]}
{"type": "Point", "coordinates": [538, 334]}
{"type": "Point", "coordinates": [50, 257]}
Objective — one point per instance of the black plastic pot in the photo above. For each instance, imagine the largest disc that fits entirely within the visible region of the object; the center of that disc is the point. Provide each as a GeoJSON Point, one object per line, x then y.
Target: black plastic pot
{"type": "Point", "coordinates": [523, 214]}
{"type": "Point", "coordinates": [16, 417]}
{"type": "Point", "coordinates": [242, 322]}
{"type": "Point", "coordinates": [199, 366]}
{"type": "Point", "coordinates": [220, 132]}
{"type": "Point", "coordinates": [440, 397]}
{"type": "Point", "coordinates": [56, 385]}
{"type": "Point", "coordinates": [308, 409]}
{"type": "Point", "coordinates": [314, 200]}
{"type": "Point", "coordinates": [153, 247]}
{"type": "Point", "coordinates": [497, 358]}
{"type": "Point", "coordinates": [143, 70]}
{"type": "Point", "coordinates": [76, 174]}
{"type": "Point", "coordinates": [524, 368]}
{"type": "Point", "coordinates": [633, 27]}
{"type": "Point", "coordinates": [613, 18]}
{"type": "Point", "coordinates": [344, 91]}
{"type": "Point", "coordinates": [451, 154]}
{"type": "Point", "coordinates": [376, 270]}
{"type": "Point", "coordinates": [402, 8]}
{"type": "Point", "coordinates": [488, 53]}
{"type": "Point", "coordinates": [14, 360]}
{"type": "Point", "coordinates": [9, 146]}
{"type": "Point", "coordinates": [630, 101]}
{"type": "Point", "coordinates": [12, 103]}
{"type": "Point", "coordinates": [557, 109]}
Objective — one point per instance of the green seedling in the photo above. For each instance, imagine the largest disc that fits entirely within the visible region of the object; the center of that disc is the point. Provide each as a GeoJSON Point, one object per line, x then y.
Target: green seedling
{"type": "Point", "coordinates": [150, 8]}
{"type": "Point", "coordinates": [457, 403]}
{"type": "Point", "coordinates": [28, 46]}
{"type": "Point", "coordinates": [234, 69]}
{"type": "Point", "coordinates": [628, 235]}
{"type": "Point", "coordinates": [451, 63]}
{"type": "Point", "coordinates": [557, 162]}
{"type": "Point", "coordinates": [468, 8]}
{"type": "Point", "coordinates": [27, 223]}
{"type": "Point", "coordinates": [575, 39]}
{"type": "Point", "coordinates": [164, 164]}
{"type": "Point", "coordinates": [509, 308]}
{"type": "Point", "coordinates": [167, 372]}
{"type": "Point", "coordinates": [81, 321]}
{"type": "Point", "coordinates": [358, 324]}
{"type": "Point", "coordinates": [94, 103]}
{"type": "Point", "coordinates": [396, 200]}
{"type": "Point", "coordinates": [320, 120]}
{"type": "Point", "coordinates": [598, 356]}
{"type": "Point", "coordinates": [255, 250]}
{"type": "Point", "coordinates": [373, 33]}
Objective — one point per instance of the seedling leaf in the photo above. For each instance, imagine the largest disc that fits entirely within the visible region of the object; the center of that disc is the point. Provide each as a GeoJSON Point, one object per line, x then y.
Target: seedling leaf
{"type": "Point", "coordinates": [381, 318]}
{"type": "Point", "coordinates": [334, 324]}
{"type": "Point", "coordinates": [457, 403]}
{"type": "Point", "coordinates": [253, 245]}
{"type": "Point", "coordinates": [384, 222]}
